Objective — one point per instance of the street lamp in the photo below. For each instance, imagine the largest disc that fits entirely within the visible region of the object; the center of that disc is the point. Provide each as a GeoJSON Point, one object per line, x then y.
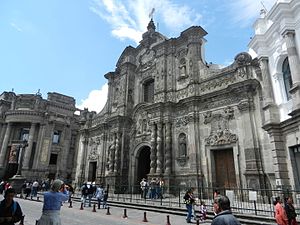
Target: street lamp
{"type": "Point", "coordinates": [22, 147]}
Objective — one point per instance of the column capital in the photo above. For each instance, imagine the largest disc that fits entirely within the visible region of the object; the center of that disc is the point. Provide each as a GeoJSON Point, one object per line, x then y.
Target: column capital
{"type": "Point", "coordinates": [263, 58]}
{"type": "Point", "coordinates": [288, 32]}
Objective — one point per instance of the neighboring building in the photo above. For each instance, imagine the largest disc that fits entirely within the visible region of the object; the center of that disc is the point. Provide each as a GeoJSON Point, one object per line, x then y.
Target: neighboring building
{"type": "Point", "coordinates": [171, 115]}
{"type": "Point", "coordinates": [50, 128]}
{"type": "Point", "coordinates": [277, 45]}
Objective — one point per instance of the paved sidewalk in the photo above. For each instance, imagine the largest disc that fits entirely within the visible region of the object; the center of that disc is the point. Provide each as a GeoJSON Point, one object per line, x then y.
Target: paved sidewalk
{"type": "Point", "coordinates": [75, 216]}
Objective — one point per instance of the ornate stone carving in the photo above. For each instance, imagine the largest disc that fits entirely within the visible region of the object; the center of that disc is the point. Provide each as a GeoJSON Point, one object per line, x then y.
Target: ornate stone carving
{"type": "Point", "coordinates": [243, 58]}
{"type": "Point", "coordinates": [184, 120]}
{"type": "Point", "coordinates": [229, 113]}
{"type": "Point", "coordinates": [182, 160]}
{"type": "Point", "coordinates": [182, 147]}
{"type": "Point", "coordinates": [221, 137]}
{"type": "Point", "coordinates": [207, 117]}
{"type": "Point", "coordinates": [142, 123]}
{"type": "Point", "coordinates": [93, 155]}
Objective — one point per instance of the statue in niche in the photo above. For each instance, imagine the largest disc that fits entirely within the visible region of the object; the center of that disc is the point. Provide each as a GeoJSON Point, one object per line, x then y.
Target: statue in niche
{"type": "Point", "coordinates": [182, 145]}
{"type": "Point", "coordinates": [182, 68]}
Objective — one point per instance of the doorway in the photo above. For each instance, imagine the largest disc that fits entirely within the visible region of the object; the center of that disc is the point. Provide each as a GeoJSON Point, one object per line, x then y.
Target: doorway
{"type": "Point", "coordinates": [92, 171]}
{"type": "Point", "coordinates": [143, 163]}
{"type": "Point", "coordinates": [225, 176]}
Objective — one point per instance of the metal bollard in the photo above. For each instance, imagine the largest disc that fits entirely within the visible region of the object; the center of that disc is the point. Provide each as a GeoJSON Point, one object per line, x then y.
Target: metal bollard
{"type": "Point", "coordinates": [94, 208]}
{"type": "Point", "coordinates": [81, 206]}
{"type": "Point", "coordinates": [38, 198]}
{"type": "Point", "coordinates": [108, 212]}
{"type": "Point", "coordinates": [70, 206]}
{"type": "Point", "coordinates": [145, 217]}
{"type": "Point", "coordinates": [125, 214]}
{"type": "Point", "coordinates": [168, 220]}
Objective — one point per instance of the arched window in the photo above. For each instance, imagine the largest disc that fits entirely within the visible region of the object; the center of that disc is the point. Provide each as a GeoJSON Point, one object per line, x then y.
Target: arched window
{"type": "Point", "coordinates": [287, 78]}
{"type": "Point", "coordinates": [149, 91]}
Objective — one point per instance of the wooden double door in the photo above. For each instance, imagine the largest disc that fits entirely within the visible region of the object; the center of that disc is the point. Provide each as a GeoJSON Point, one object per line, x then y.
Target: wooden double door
{"type": "Point", "coordinates": [225, 176]}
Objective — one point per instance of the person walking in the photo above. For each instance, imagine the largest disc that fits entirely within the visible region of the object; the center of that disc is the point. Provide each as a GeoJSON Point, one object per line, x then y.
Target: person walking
{"type": "Point", "coordinates": [99, 195]}
{"type": "Point", "coordinates": [290, 211]}
{"type": "Point", "coordinates": [105, 197]}
{"type": "Point", "coordinates": [52, 203]}
{"type": "Point", "coordinates": [223, 212]}
{"type": "Point", "coordinates": [10, 210]}
{"type": "Point", "coordinates": [189, 200]}
{"type": "Point", "coordinates": [280, 214]}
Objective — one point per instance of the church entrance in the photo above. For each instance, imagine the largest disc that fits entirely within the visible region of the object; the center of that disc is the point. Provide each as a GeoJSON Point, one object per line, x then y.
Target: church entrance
{"type": "Point", "coordinates": [92, 171]}
{"type": "Point", "coordinates": [143, 163]}
{"type": "Point", "coordinates": [224, 168]}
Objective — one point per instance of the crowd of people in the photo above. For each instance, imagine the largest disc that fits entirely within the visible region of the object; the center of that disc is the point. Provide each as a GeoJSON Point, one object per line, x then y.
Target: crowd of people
{"type": "Point", "coordinates": [152, 189]}
{"type": "Point", "coordinates": [91, 190]}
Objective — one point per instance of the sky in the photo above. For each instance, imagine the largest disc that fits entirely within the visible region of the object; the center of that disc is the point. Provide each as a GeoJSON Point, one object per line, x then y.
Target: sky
{"type": "Point", "coordinates": [67, 46]}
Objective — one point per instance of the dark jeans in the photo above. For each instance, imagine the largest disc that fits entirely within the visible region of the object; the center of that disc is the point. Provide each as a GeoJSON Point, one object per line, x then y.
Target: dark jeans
{"type": "Point", "coordinates": [189, 208]}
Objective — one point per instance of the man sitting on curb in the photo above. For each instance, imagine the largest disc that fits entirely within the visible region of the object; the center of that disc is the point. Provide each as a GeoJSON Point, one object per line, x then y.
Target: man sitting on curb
{"type": "Point", "coordinates": [223, 212]}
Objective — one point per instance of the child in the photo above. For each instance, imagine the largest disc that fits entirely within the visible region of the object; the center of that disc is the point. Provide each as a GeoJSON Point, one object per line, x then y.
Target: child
{"type": "Point", "coordinates": [105, 197]}
{"type": "Point", "coordinates": [203, 211]}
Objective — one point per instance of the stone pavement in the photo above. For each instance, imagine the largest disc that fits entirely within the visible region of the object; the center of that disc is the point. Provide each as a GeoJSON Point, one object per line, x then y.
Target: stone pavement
{"type": "Point", "coordinates": [75, 216]}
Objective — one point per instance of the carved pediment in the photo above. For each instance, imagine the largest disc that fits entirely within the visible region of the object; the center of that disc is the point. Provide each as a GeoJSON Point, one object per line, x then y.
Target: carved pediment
{"type": "Point", "coordinates": [221, 137]}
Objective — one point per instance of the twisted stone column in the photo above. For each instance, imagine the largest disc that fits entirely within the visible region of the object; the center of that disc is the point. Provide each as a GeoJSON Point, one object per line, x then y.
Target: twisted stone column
{"type": "Point", "coordinates": [153, 149]}
{"type": "Point", "coordinates": [168, 149]}
{"type": "Point", "coordinates": [112, 150]}
{"type": "Point", "coordinates": [159, 149]}
{"type": "Point", "coordinates": [117, 153]}
{"type": "Point", "coordinates": [267, 85]}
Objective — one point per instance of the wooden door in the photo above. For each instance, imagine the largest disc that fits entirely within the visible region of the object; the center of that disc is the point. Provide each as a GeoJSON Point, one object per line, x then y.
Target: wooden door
{"type": "Point", "coordinates": [224, 168]}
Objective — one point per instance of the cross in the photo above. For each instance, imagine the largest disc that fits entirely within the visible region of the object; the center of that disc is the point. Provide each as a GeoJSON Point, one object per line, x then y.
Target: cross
{"type": "Point", "coordinates": [151, 13]}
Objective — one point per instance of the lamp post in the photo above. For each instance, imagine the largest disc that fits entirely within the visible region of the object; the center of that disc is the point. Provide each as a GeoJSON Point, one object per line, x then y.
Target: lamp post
{"type": "Point", "coordinates": [17, 180]}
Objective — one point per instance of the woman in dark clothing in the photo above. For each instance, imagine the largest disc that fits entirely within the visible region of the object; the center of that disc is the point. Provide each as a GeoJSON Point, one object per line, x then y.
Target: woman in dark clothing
{"type": "Point", "coordinates": [10, 210]}
{"type": "Point", "coordinates": [290, 211]}
{"type": "Point", "coordinates": [189, 200]}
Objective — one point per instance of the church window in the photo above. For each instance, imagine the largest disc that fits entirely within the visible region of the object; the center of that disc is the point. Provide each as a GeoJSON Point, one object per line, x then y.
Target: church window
{"type": "Point", "coordinates": [56, 137]}
{"type": "Point", "coordinates": [149, 91]}
{"type": "Point", "coordinates": [53, 159]}
{"type": "Point", "coordinates": [287, 78]}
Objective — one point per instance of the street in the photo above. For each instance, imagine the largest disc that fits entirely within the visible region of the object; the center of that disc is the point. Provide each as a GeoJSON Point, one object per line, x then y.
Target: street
{"type": "Point", "coordinates": [74, 216]}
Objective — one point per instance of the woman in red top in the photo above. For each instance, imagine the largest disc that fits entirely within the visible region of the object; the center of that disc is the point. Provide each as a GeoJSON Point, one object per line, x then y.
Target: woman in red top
{"type": "Point", "coordinates": [280, 215]}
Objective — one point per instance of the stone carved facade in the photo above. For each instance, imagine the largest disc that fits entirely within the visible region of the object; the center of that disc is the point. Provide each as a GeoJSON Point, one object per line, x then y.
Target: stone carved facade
{"type": "Point", "coordinates": [177, 117]}
{"type": "Point", "coordinates": [50, 128]}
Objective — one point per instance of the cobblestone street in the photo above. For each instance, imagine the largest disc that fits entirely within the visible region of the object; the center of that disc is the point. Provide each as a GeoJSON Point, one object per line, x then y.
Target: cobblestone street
{"type": "Point", "coordinates": [75, 216]}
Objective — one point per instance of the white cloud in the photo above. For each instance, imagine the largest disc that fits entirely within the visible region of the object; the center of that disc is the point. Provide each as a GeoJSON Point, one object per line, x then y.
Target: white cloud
{"type": "Point", "coordinates": [246, 11]}
{"type": "Point", "coordinates": [15, 26]}
{"type": "Point", "coordinates": [129, 19]}
{"type": "Point", "coordinates": [96, 99]}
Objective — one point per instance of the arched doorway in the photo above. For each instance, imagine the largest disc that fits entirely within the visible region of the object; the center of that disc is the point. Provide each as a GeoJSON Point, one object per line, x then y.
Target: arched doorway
{"type": "Point", "coordinates": [143, 163]}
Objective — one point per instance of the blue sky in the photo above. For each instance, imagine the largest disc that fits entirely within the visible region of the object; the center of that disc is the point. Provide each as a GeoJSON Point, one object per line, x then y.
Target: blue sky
{"type": "Point", "coordinates": [67, 46]}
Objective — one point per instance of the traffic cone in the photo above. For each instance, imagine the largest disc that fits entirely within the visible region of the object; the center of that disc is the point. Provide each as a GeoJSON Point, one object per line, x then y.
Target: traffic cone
{"type": "Point", "coordinates": [94, 208]}
{"type": "Point", "coordinates": [81, 206]}
{"type": "Point", "coordinates": [108, 212]}
{"type": "Point", "coordinates": [168, 220]}
{"type": "Point", "coordinates": [145, 217]}
{"type": "Point", "coordinates": [70, 206]}
{"type": "Point", "coordinates": [125, 214]}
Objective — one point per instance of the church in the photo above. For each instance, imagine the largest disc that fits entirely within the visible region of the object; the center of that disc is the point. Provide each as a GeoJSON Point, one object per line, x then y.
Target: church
{"type": "Point", "coordinates": [171, 115]}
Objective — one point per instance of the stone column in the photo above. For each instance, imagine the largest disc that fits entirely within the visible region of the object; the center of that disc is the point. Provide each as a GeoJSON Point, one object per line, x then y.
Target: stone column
{"type": "Point", "coordinates": [112, 150]}
{"type": "Point", "coordinates": [168, 149]}
{"type": "Point", "coordinates": [29, 148]}
{"type": "Point", "coordinates": [39, 146]}
{"type": "Point", "coordinates": [117, 153]}
{"type": "Point", "coordinates": [65, 151]}
{"type": "Point", "coordinates": [294, 62]}
{"type": "Point", "coordinates": [153, 149]}
{"type": "Point", "coordinates": [270, 110]}
{"type": "Point", "coordinates": [5, 144]}
{"type": "Point", "coordinates": [159, 164]}
{"type": "Point", "coordinates": [2, 133]}
{"type": "Point", "coordinates": [85, 142]}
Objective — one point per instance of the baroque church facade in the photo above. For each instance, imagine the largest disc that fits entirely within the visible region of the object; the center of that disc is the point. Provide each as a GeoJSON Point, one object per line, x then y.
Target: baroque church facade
{"type": "Point", "coordinates": [171, 115]}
